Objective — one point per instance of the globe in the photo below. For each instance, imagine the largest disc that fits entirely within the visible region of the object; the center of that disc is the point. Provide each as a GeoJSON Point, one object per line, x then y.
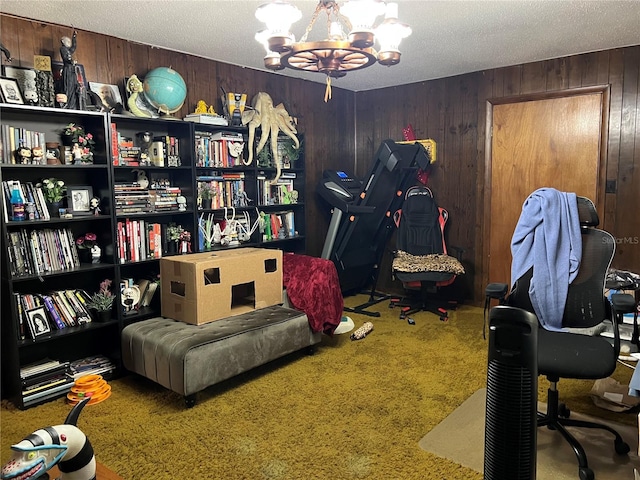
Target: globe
{"type": "Point", "coordinates": [165, 89]}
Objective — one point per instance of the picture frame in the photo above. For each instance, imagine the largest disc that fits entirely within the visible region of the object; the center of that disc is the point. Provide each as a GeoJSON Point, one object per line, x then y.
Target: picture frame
{"type": "Point", "coordinates": [27, 81]}
{"type": "Point", "coordinates": [109, 94]}
{"type": "Point", "coordinates": [79, 200]}
{"type": "Point", "coordinates": [37, 322]}
{"type": "Point", "coordinates": [10, 91]}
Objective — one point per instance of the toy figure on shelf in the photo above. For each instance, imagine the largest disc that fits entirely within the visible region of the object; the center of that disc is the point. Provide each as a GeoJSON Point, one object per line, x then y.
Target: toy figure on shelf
{"type": "Point", "coordinates": [185, 242]}
{"type": "Point", "coordinates": [37, 154]}
{"type": "Point", "coordinates": [23, 155]}
{"type": "Point", "coordinates": [60, 444]}
{"type": "Point", "coordinates": [94, 205]}
{"type": "Point", "coordinates": [136, 103]}
{"type": "Point", "coordinates": [69, 79]}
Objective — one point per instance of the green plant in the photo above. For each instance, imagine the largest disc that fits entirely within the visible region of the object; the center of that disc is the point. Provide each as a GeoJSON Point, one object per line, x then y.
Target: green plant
{"type": "Point", "coordinates": [103, 299]}
{"type": "Point", "coordinates": [173, 232]}
{"type": "Point", "coordinates": [205, 191]}
{"type": "Point", "coordinates": [53, 189]}
{"type": "Point", "coordinates": [289, 150]}
{"type": "Point", "coordinates": [77, 135]}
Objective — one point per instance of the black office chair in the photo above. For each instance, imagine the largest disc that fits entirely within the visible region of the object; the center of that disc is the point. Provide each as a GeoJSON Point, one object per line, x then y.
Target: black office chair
{"type": "Point", "coordinates": [567, 354]}
{"type": "Point", "coordinates": [421, 260]}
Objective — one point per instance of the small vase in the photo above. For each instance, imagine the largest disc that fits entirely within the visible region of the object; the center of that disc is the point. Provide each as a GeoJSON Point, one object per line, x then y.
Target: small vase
{"type": "Point", "coordinates": [84, 254]}
{"type": "Point", "coordinates": [54, 209]}
{"type": "Point", "coordinates": [172, 248]}
{"type": "Point", "coordinates": [103, 315]}
{"type": "Point", "coordinates": [206, 203]}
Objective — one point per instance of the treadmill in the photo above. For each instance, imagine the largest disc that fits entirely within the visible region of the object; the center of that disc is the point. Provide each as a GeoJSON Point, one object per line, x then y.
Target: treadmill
{"type": "Point", "coordinates": [362, 217]}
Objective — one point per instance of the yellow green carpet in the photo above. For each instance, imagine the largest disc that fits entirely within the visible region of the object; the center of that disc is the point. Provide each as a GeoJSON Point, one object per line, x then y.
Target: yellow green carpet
{"type": "Point", "coordinates": [354, 410]}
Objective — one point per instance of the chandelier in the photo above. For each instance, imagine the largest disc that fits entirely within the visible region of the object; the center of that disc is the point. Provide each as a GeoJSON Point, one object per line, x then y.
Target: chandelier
{"type": "Point", "coordinates": [340, 52]}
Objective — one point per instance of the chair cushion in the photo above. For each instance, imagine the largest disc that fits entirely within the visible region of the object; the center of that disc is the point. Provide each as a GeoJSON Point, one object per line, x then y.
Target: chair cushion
{"type": "Point", "coordinates": [405, 262]}
{"type": "Point", "coordinates": [569, 355]}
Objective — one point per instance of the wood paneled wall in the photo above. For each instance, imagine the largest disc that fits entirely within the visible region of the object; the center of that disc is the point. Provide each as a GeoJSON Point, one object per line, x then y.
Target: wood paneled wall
{"type": "Point", "coordinates": [452, 111]}
{"type": "Point", "coordinates": [328, 127]}
{"type": "Point", "coordinates": [346, 132]}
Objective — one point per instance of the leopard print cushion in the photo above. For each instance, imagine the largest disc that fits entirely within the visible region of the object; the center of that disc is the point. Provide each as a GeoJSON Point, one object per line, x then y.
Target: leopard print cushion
{"type": "Point", "coordinates": [405, 262]}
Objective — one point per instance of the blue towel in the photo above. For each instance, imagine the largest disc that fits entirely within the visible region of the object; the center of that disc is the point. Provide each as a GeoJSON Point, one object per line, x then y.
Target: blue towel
{"type": "Point", "coordinates": [547, 238]}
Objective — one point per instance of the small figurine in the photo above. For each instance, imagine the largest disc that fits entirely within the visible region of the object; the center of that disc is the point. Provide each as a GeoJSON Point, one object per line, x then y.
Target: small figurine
{"type": "Point", "coordinates": [142, 179]}
{"type": "Point", "coordinates": [77, 153]}
{"type": "Point", "coordinates": [185, 242]}
{"type": "Point", "coordinates": [182, 203]}
{"type": "Point", "coordinates": [94, 205]}
{"type": "Point", "coordinates": [201, 107]}
{"type": "Point", "coordinates": [37, 154]}
{"type": "Point", "coordinates": [96, 253]}
{"type": "Point", "coordinates": [23, 155]}
{"type": "Point", "coordinates": [69, 78]}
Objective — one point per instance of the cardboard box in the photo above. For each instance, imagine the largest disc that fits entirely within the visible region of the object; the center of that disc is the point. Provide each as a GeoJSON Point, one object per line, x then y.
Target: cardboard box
{"type": "Point", "coordinates": [203, 287]}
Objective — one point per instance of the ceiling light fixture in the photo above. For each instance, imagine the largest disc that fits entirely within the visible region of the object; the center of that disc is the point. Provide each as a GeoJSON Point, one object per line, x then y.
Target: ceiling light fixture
{"type": "Point", "coordinates": [340, 52]}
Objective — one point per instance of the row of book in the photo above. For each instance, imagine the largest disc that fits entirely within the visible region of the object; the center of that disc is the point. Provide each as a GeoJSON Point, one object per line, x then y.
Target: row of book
{"type": "Point", "coordinates": [13, 138]}
{"type": "Point", "coordinates": [29, 194]}
{"type": "Point", "coordinates": [33, 252]}
{"type": "Point", "coordinates": [276, 192]}
{"type": "Point", "coordinates": [39, 314]}
{"type": "Point", "coordinates": [159, 151]}
{"type": "Point", "coordinates": [140, 240]}
{"type": "Point", "coordinates": [49, 379]}
{"type": "Point", "coordinates": [219, 149]}
{"type": "Point", "coordinates": [279, 225]}
{"type": "Point", "coordinates": [227, 190]}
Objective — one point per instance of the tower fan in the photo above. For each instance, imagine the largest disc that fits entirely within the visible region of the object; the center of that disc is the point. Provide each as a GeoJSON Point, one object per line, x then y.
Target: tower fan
{"type": "Point", "coordinates": [512, 388]}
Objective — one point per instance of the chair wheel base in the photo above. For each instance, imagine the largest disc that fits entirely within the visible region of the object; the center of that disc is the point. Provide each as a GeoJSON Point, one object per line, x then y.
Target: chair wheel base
{"type": "Point", "coordinates": [586, 474]}
{"type": "Point", "coordinates": [622, 447]}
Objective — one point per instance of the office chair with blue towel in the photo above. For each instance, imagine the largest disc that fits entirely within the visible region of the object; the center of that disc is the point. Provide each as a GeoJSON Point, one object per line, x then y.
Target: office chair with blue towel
{"type": "Point", "coordinates": [558, 272]}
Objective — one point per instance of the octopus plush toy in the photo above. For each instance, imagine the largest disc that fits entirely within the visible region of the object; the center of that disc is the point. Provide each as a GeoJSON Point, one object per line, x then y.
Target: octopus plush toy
{"type": "Point", "coordinates": [63, 445]}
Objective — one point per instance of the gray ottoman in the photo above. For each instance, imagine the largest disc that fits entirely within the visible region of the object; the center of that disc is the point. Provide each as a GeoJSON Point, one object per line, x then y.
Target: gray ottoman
{"type": "Point", "coordinates": [188, 358]}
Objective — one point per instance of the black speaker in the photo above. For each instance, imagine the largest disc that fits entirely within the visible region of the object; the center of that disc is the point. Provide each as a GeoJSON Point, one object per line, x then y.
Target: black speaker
{"type": "Point", "coordinates": [512, 390]}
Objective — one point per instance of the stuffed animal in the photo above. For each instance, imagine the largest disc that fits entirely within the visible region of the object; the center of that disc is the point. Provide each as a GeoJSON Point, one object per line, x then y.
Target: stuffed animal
{"type": "Point", "coordinates": [65, 445]}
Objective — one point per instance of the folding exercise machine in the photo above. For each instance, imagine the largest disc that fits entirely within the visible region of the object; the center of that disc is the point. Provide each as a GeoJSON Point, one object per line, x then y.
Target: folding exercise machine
{"type": "Point", "coordinates": [362, 218]}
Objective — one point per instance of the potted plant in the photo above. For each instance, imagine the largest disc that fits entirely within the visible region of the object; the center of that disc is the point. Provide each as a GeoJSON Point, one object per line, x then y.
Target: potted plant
{"type": "Point", "coordinates": [102, 301]}
{"type": "Point", "coordinates": [73, 135]}
{"type": "Point", "coordinates": [206, 194]}
{"type": "Point", "coordinates": [54, 190]}
{"type": "Point", "coordinates": [173, 236]}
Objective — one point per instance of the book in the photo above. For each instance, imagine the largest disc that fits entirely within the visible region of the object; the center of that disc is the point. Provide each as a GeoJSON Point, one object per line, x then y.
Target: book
{"type": "Point", "coordinates": [207, 118]}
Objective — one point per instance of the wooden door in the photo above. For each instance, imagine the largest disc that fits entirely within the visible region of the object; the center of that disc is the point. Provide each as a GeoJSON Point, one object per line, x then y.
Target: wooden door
{"type": "Point", "coordinates": [541, 142]}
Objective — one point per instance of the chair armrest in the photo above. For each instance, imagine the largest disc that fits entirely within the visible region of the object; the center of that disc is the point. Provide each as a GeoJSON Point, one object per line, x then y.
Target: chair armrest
{"type": "Point", "coordinates": [496, 290]}
{"type": "Point", "coordinates": [623, 303]}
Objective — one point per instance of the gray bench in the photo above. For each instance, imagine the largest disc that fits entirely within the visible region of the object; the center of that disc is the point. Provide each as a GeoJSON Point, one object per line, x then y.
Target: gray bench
{"type": "Point", "coordinates": [189, 358]}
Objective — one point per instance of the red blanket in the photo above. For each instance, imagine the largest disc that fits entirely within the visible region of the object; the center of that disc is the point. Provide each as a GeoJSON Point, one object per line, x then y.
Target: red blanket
{"type": "Point", "coordinates": [312, 286]}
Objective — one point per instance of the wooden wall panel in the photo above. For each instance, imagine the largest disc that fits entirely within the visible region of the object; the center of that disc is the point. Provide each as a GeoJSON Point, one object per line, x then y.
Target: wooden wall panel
{"type": "Point", "coordinates": [329, 144]}
{"type": "Point", "coordinates": [346, 132]}
{"type": "Point", "coordinates": [460, 132]}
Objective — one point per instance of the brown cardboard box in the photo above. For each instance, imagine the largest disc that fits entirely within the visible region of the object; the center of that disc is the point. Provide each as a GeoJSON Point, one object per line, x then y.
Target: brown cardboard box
{"type": "Point", "coordinates": [203, 287]}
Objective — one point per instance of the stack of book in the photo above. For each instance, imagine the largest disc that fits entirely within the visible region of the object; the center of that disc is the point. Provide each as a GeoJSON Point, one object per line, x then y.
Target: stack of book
{"type": "Point", "coordinates": [93, 365]}
{"type": "Point", "coordinates": [208, 118]}
{"type": "Point", "coordinates": [139, 240]}
{"type": "Point", "coordinates": [44, 380]}
{"type": "Point", "coordinates": [164, 199]}
{"type": "Point", "coordinates": [131, 198]}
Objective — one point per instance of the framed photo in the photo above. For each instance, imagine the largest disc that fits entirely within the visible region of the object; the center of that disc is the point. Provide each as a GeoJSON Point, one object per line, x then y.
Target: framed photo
{"type": "Point", "coordinates": [27, 81]}
{"type": "Point", "coordinates": [79, 200]}
{"type": "Point", "coordinates": [10, 91]}
{"type": "Point", "coordinates": [37, 321]}
{"type": "Point", "coordinates": [109, 94]}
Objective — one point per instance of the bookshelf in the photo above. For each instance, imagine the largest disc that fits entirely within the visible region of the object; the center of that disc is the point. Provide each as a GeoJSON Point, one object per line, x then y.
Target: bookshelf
{"type": "Point", "coordinates": [149, 175]}
{"type": "Point", "coordinates": [39, 254]}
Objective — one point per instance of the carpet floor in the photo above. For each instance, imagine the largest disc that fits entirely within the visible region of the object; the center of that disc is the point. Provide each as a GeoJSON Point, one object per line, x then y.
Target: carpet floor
{"type": "Point", "coordinates": [460, 438]}
{"type": "Point", "coordinates": [354, 410]}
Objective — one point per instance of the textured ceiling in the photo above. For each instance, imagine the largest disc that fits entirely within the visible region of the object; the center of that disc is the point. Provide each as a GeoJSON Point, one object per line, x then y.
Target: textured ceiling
{"type": "Point", "coordinates": [449, 37]}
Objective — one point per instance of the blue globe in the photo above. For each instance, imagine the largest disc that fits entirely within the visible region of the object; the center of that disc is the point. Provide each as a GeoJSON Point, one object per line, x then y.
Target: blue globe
{"type": "Point", "coordinates": [165, 89]}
